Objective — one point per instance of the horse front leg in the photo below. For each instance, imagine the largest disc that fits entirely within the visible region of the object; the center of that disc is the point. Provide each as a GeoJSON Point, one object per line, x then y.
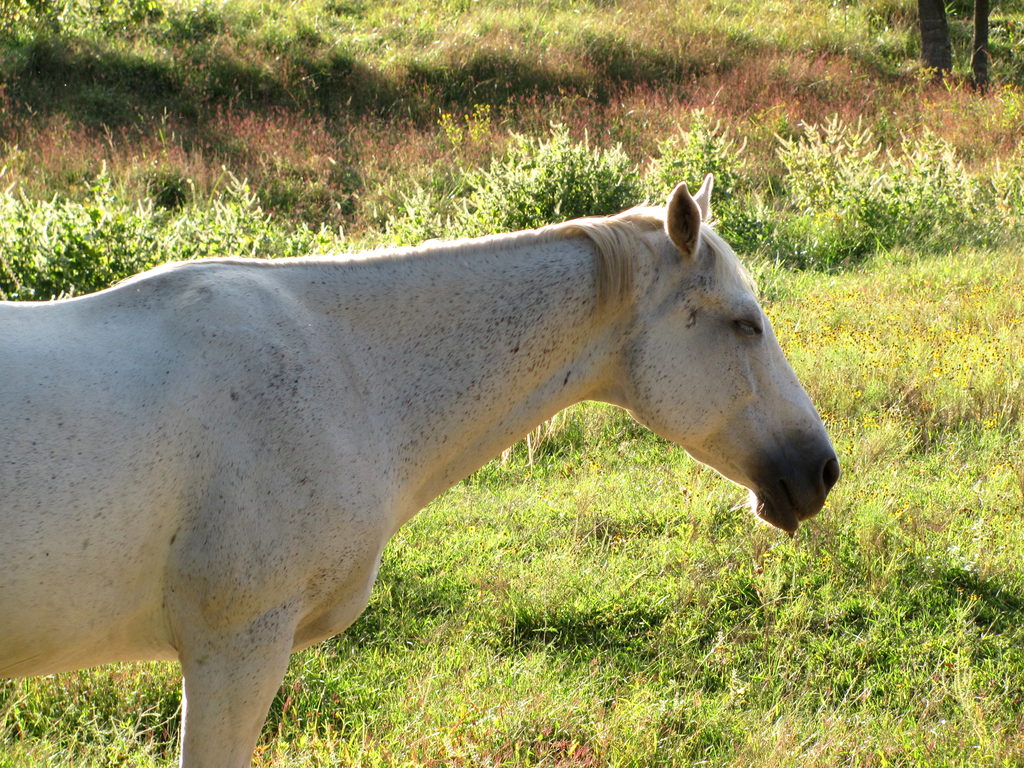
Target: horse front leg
{"type": "Point", "coordinates": [230, 680]}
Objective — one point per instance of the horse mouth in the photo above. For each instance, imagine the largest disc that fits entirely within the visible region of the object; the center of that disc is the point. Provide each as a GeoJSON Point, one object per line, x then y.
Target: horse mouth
{"type": "Point", "coordinates": [780, 508]}
{"type": "Point", "coordinates": [782, 516]}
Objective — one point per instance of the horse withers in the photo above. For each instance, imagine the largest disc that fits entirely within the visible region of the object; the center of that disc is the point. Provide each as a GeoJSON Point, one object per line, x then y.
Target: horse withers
{"type": "Point", "coordinates": [205, 462]}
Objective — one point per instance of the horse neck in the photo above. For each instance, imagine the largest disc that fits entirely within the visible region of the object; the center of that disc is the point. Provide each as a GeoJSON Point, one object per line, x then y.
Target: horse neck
{"type": "Point", "coordinates": [471, 345]}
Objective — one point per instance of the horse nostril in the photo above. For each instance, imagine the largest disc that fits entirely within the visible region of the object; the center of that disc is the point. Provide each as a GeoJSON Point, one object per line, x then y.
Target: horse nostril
{"type": "Point", "coordinates": [830, 473]}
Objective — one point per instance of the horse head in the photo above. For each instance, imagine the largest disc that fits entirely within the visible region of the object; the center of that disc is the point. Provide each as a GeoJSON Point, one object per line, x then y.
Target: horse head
{"type": "Point", "coordinates": [706, 370]}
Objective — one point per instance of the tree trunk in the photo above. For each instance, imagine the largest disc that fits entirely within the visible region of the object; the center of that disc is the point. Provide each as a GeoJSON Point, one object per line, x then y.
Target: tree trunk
{"type": "Point", "coordinates": [936, 52]}
{"type": "Point", "coordinates": [979, 55]}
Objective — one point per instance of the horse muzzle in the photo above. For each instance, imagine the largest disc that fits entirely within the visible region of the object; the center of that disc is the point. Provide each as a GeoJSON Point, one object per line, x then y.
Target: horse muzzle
{"type": "Point", "coordinates": [787, 494]}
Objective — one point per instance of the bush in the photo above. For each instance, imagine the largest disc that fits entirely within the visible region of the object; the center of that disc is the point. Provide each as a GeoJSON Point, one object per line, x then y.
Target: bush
{"type": "Point", "coordinates": [1008, 189]}
{"type": "Point", "coordinates": [543, 181]}
{"type": "Point", "coordinates": [65, 248]}
{"type": "Point", "coordinates": [842, 198]}
{"type": "Point", "coordinates": [427, 210]}
{"type": "Point", "coordinates": [702, 149]}
{"type": "Point", "coordinates": [692, 154]}
{"type": "Point", "coordinates": [536, 181]}
{"type": "Point", "coordinates": [20, 16]}
{"type": "Point", "coordinates": [848, 199]}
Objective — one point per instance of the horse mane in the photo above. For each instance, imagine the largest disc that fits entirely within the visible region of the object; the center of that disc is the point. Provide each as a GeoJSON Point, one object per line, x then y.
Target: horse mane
{"type": "Point", "coordinates": [616, 238]}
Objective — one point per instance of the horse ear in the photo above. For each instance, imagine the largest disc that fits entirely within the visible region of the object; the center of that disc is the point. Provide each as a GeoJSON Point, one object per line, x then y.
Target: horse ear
{"type": "Point", "coordinates": [682, 219]}
{"type": "Point", "coordinates": [703, 197]}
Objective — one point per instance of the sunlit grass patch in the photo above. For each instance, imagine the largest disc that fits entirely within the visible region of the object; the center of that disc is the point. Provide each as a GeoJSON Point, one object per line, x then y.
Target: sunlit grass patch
{"type": "Point", "coordinates": [936, 342]}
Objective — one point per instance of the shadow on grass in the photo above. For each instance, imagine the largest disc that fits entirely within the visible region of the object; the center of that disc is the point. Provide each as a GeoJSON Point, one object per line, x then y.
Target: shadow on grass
{"type": "Point", "coordinates": [90, 84]}
{"type": "Point", "coordinates": [103, 88]}
{"type": "Point", "coordinates": [405, 608]}
{"type": "Point", "coordinates": [584, 631]}
{"type": "Point", "coordinates": [502, 78]}
{"type": "Point", "coordinates": [102, 85]}
{"type": "Point", "coordinates": [997, 607]}
{"type": "Point", "coordinates": [616, 62]}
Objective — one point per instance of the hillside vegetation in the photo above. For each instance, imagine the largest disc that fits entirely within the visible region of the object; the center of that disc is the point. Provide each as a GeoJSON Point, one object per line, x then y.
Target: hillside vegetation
{"type": "Point", "coordinates": [334, 112]}
{"type": "Point", "coordinates": [593, 597]}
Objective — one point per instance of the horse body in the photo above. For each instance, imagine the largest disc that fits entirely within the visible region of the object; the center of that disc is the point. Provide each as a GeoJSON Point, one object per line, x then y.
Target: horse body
{"type": "Point", "coordinates": [205, 462]}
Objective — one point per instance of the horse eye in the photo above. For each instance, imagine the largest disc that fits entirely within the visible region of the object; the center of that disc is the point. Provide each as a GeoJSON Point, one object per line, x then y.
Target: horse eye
{"type": "Point", "coordinates": [748, 327]}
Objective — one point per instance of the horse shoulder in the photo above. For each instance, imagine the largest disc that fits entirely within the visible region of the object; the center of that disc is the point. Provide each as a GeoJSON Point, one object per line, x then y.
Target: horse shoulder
{"type": "Point", "coordinates": [293, 476]}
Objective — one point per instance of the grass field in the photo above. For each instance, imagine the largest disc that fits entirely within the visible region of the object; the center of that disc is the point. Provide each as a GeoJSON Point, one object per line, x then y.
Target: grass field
{"type": "Point", "coordinates": [610, 604]}
{"type": "Point", "coordinates": [594, 597]}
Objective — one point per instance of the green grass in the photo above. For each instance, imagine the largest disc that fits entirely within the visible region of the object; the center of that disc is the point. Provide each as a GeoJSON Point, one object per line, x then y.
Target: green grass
{"type": "Point", "coordinates": [594, 597]}
{"type": "Point", "coordinates": [610, 603]}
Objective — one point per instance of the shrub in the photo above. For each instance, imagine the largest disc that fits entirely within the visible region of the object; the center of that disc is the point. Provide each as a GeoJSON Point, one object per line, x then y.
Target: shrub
{"type": "Point", "coordinates": [536, 181]}
{"type": "Point", "coordinates": [1008, 189]}
{"type": "Point", "coordinates": [60, 247]}
{"type": "Point", "coordinates": [423, 208]}
{"type": "Point", "coordinates": [847, 198]}
{"type": "Point", "coordinates": [19, 16]}
{"type": "Point", "coordinates": [65, 248]}
{"type": "Point", "coordinates": [543, 181]}
{"type": "Point", "coordinates": [692, 154]}
{"type": "Point", "coordinates": [702, 149]}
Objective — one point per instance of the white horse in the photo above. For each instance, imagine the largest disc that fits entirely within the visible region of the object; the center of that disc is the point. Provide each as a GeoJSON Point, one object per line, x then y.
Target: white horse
{"type": "Point", "coordinates": [205, 462]}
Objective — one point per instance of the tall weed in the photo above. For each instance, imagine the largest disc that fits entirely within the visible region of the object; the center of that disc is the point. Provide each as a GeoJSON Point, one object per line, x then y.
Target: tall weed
{"type": "Point", "coordinates": [536, 181]}
{"type": "Point", "coordinates": [706, 147]}
{"type": "Point", "coordinates": [842, 194]}
{"type": "Point", "coordinates": [21, 17]}
{"type": "Point", "coordinates": [841, 197]}
{"type": "Point", "coordinates": [848, 197]}
{"type": "Point", "coordinates": [62, 248]}
{"type": "Point", "coordinates": [1008, 187]}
